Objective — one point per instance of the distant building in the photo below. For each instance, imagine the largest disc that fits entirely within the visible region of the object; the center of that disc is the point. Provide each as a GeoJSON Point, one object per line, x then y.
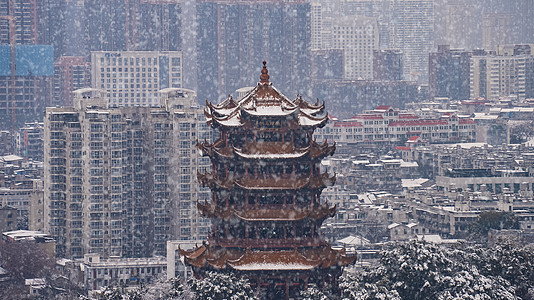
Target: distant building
{"type": "Point", "coordinates": [8, 218]}
{"type": "Point", "coordinates": [404, 232]}
{"type": "Point", "coordinates": [497, 30]}
{"type": "Point", "coordinates": [133, 78]}
{"type": "Point", "coordinates": [494, 181]}
{"type": "Point", "coordinates": [347, 97]}
{"type": "Point", "coordinates": [412, 31]}
{"type": "Point", "coordinates": [387, 65]}
{"type": "Point", "coordinates": [448, 73]}
{"type": "Point", "coordinates": [25, 21]}
{"type": "Point", "coordinates": [385, 124]}
{"type": "Point", "coordinates": [507, 72]}
{"type": "Point", "coordinates": [358, 37]}
{"type": "Point", "coordinates": [100, 272]}
{"type": "Point", "coordinates": [31, 141]}
{"type": "Point", "coordinates": [44, 241]}
{"type": "Point", "coordinates": [234, 37]}
{"type": "Point", "coordinates": [70, 73]}
{"type": "Point", "coordinates": [6, 143]}
{"type": "Point", "coordinates": [120, 181]}
{"type": "Point", "coordinates": [147, 25]}
{"type": "Point", "coordinates": [24, 96]}
{"type": "Point", "coordinates": [327, 65]}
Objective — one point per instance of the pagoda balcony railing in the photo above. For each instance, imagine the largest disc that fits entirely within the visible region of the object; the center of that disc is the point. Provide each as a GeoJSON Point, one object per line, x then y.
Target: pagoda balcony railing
{"type": "Point", "coordinates": [268, 147]}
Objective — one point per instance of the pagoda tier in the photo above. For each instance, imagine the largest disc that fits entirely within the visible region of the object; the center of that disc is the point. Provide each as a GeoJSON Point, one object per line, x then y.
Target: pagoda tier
{"type": "Point", "coordinates": [266, 211]}
{"type": "Point", "coordinates": [289, 213]}
{"type": "Point", "coordinates": [266, 182]}
{"type": "Point", "coordinates": [282, 150]}
{"type": "Point", "coordinates": [218, 258]}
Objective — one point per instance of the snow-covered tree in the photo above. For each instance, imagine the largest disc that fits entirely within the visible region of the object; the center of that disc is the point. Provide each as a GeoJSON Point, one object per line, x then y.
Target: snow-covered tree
{"type": "Point", "coordinates": [314, 293]}
{"type": "Point", "coordinates": [170, 289]}
{"type": "Point", "coordinates": [217, 285]}
{"type": "Point", "coordinates": [419, 270]}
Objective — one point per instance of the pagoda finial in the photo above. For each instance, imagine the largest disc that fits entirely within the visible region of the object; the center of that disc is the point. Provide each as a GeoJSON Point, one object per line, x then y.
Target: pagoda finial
{"type": "Point", "coordinates": [264, 77]}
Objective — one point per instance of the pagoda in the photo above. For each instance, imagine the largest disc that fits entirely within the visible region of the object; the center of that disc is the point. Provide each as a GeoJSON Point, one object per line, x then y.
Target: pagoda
{"type": "Point", "coordinates": [266, 211]}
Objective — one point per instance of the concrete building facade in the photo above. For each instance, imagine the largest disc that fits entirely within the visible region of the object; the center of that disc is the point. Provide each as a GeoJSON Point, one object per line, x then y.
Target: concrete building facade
{"type": "Point", "coordinates": [133, 78]}
{"type": "Point", "coordinates": [448, 73]}
{"type": "Point", "coordinates": [358, 37]}
{"type": "Point", "coordinates": [120, 181]}
{"type": "Point", "coordinates": [234, 37]}
{"type": "Point", "coordinates": [503, 73]}
{"type": "Point", "coordinates": [388, 65]}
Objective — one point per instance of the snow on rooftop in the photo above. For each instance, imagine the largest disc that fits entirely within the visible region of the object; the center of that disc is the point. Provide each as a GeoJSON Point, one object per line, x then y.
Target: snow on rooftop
{"type": "Point", "coordinates": [409, 164]}
{"type": "Point", "coordinates": [269, 110]}
{"type": "Point", "coordinates": [271, 156]}
{"type": "Point", "coordinates": [273, 266]}
{"type": "Point", "coordinates": [10, 158]}
{"type": "Point", "coordinates": [305, 121]}
{"type": "Point", "coordinates": [412, 183]}
{"type": "Point", "coordinates": [465, 145]}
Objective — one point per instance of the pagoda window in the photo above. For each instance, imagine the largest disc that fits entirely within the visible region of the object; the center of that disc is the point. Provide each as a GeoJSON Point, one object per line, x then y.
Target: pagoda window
{"type": "Point", "coordinates": [251, 200]}
{"type": "Point", "coordinates": [288, 169]}
{"type": "Point", "coordinates": [230, 168]}
{"type": "Point", "coordinates": [221, 201]}
{"type": "Point", "coordinates": [265, 199]}
{"type": "Point", "coordinates": [263, 232]}
{"type": "Point", "coordinates": [301, 139]}
{"type": "Point", "coordinates": [240, 169]}
{"type": "Point", "coordinates": [268, 137]}
{"type": "Point", "coordinates": [277, 200]}
{"type": "Point", "coordinates": [301, 200]}
{"type": "Point", "coordinates": [221, 232]}
{"type": "Point", "coordinates": [237, 231]}
{"type": "Point", "coordinates": [304, 231]}
{"type": "Point", "coordinates": [289, 231]}
{"type": "Point", "coordinates": [238, 140]}
{"type": "Point", "coordinates": [241, 231]}
{"type": "Point", "coordinates": [287, 136]}
{"type": "Point", "coordinates": [232, 200]}
{"type": "Point", "coordinates": [251, 230]}
{"type": "Point", "coordinates": [303, 169]}
{"type": "Point", "coordinates": [277, 233]}
{"type": "Point", "coordinates": [250, 171]}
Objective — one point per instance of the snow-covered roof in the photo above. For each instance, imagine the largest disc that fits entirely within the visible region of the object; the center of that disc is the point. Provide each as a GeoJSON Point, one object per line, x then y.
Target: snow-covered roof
{"type": "Point", "coordinates": [354, 241]}
{"type": "Point", "coordinates": [393, 225]}
{"type": "Point", "coordinates": [11, 158]}
{"type": "Point", "coordinates": [412, 183]}
{"type": "Point", "coordinates": [273, 266]}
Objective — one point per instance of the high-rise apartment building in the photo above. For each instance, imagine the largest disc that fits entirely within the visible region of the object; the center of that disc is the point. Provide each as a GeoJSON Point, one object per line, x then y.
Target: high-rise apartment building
{"type": "Point", "coordinates": [133, 78]}
{"type": "Point", "coordinates": [387, 65]}
{"type": "Point", "coordinates": [131, 25]}
{"type": "Point", "coordinates": [448, 73]}
{"type": "Point", "coordinates": [497, 30]}
{"type": "Point", "coordinates": [120, 181]}
{"type": "Point", "coordinates": [233, 37]}
{"type": "Point", "coordinates": [507, 72]}
{"type": "Point", "coordinates": [317, 26]}
{"type": "Point", "coordinates": [24, 17]}
{"type": "Point", "coordinates": [358, 37]}
{"type": "Point", "coordinates": [31, 141]}
{"type": "Point", "coordinates": [412, 31]}
{"type": "Point", "coordinates": [24, 96]}
{"type": "Point", "coordinates": [327, 65]}
{"type": "Point", "coordinates": [70, 73]}
{"type": "Point", "coordinates": [407, 25]}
